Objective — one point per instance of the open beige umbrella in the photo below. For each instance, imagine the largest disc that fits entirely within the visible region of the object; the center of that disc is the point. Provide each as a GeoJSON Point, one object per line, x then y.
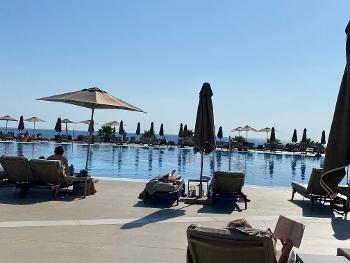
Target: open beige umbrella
{"type": "Point", "coordinates": [267, 130]}
{"type": "Point", "coordinates": [238, 129]}
{"type": "Point", "coordinates": [34, 120]}
{"type": "Point", "coordinates": [7, 118]}
{"type": "Point", "coordinates": [66, 121]}
{"type": "Point", "coordinates": [247, 129]}
{"type": "Point", "coordinates": [92, 98]}
{"type": "Point", "coordinates": [112, 123]}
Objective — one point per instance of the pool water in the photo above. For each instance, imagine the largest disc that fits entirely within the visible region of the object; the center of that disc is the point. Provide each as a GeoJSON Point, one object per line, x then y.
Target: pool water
{"type": "Point", "coordinates": [262, 169]}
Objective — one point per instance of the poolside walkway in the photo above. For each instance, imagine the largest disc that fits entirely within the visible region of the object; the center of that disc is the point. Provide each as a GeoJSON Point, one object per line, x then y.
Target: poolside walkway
{"type": "Point", "coordinates": [113, 226]}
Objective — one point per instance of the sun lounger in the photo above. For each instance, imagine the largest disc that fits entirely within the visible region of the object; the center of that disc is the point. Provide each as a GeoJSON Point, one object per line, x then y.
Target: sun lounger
{"type": "Point", "coordinates": [313, 190]}
{"type": "Point", "coordinates": [227, 186]}
{"type": "Point", "coordinates": [17, 172]}
{"type": "Point", "coordinates": [207, 245]}
{"type": "Point", "coordinates": [17, 169]}
{"type": "Point", "coordinates": [50, 173]}
{"type": "Point", "coordinates": [156, 189]}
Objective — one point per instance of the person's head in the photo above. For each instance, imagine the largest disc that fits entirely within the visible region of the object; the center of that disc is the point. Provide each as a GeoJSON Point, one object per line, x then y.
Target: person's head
{"type": "Point", "coordinates": [59, 150]}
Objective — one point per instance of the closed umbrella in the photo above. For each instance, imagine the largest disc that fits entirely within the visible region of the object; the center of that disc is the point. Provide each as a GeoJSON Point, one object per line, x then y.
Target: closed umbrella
{"type": "Point", "coordinates": [121, 128]}
{"type": "Point", "coordinates": [181, 131]}
{"type": "Point", "coordinates": [161, 130]}
{"type": "Point", "coordinates": [21, 124]}
{"type": "Point", "coordinates": [138, 129]}
{"type": "Point", "coordinates": [338, 146]}
{"type": "Point", "coordinates": [66, 121]}
{"type": "Point", "coordinates": [304, 138]}
{"type": "Point", "coordinates": [58, 126]}
{"type": "Point", "coordinates": [151, 130]}
{"type": "Point", "coordinates": [7, 118]}
{"type": "Point", "coordinates": [92, 98]}
{"type": "Point", "coordinates": [204, 134]}
{"type": "Point", "coordinates": [323, 138]}
{"type": "Point", "coordinates": [295, 137]}
{"type": "Point", "coordinates": [220, 135]}
{"type": "Point", "coordinates": [185, 130]}
{"type": "Point", "coordinates": [34, 120]}
{"type": "Point", "coordinates": [272, 135]}
{"type": "Point", "coordinates": [267, 130]}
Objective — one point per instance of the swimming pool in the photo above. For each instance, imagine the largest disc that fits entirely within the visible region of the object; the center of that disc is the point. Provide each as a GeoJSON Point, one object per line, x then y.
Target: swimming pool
{"type": "Point", "coordinates": [262, 169]}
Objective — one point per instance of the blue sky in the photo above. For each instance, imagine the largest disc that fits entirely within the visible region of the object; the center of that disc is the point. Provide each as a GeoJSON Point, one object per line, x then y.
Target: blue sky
{"type": "Point", "coordinates": [270, 63]}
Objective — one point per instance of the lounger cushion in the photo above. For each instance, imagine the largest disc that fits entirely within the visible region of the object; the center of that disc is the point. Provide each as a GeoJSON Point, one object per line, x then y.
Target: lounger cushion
{"type": "Point", "coordinates": [227, 182]}
{"type": "Point", "coordinates": [207, 245]}
{"type": "Point", "coordinates": [17, 169]}
{"type": "Point", "coordinates": [47, 172]}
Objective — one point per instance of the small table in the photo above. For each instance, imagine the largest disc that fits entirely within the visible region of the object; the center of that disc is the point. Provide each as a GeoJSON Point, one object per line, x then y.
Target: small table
{"type": "Point", "coordinates": [205, 179]}
{"type": "Point", "coordinates": [307, 258]}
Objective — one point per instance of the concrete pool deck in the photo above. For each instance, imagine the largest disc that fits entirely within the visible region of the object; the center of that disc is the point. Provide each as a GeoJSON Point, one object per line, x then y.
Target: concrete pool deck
{"type": "Point", "coordinates": [114, 226]}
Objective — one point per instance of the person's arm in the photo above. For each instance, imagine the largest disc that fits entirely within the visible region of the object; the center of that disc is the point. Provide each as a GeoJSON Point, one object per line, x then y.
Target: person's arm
{"type": "Point", "coordinates": [286, 249]}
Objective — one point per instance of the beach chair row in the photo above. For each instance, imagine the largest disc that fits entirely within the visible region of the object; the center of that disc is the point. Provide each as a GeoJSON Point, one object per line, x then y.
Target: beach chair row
{"type": "Point", "coordinates": [38, 173]}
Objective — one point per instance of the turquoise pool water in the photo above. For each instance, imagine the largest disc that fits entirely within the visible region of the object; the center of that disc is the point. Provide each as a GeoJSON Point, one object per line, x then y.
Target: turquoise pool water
{"type": "Point", "coordinates": [263, 169]}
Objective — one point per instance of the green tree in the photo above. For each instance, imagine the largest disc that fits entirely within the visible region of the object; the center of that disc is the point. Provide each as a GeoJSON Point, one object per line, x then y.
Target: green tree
{"type": "Point", "coordinates": [149, 134]}
{"type": "Point", "coordinates": [188, 134]}
{"type": "Point", "coordinates": [105, 130]}
{"type": "Point", "coordinates": [239, 139]}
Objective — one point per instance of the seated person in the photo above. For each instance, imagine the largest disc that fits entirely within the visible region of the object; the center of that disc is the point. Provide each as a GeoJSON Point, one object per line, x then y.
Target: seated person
{"type": "Point", "coordinates": [58, 155]}
{"type": "Point", "coordinates": [287, 245]}
{"type": "Point", "coordinates": [69, 170]}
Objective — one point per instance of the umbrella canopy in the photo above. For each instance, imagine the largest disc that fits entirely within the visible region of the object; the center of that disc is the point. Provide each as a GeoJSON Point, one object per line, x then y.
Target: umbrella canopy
{"type": "Point", "coordinates": [181, 131]}
{"type": "Point", "coordinates": [247, 129]}
{"type": "Point", "coordinates": [295, 137]}
{"type": "Point", "coordinates": [161, 130]}
{"type": "Point", "coordinates": [338, 147]}
{"type": "Point", "coordinates": [304, 138]}
{"type": "Point", "coordinates": [204, 133]}
{"type": "Point", "coordinates": [220, 135]}
{"type": "Point", "coordinates": [273, 135]}
{"type": "Point", "coordinates": [121, 128]}
{"type": "Point", "coordinates": [267, 130]}
{"type": "Point", "coordinates": [21, 124]}
{"type": "Point", "coordinates": [112, 123]}
{"type": "Point", "coordinates": [58, 126]}
{"type": "Point", "coordinates": [151, 130]}
{"type": "Point", "coordinates": [323, 137]}
{"type": "Point", "coordinates": [66, 121]}
{"type": "Point", "coordinates": [7, 118]}
{"type": "Point", "coordinates": [138, 129]}
{"type": "Point", "coordinates": [34, 120]}
{"type": "Point", "coordinates": [92, 98]}
{"type": "Point", "coordinates": [87, 122]}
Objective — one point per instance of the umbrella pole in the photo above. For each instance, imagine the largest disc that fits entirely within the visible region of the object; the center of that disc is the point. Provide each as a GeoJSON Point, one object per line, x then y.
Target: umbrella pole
{"type": "Point", "coordinates": [229, 153]}
{"type": "Point", "coordinates": [6, 125]}
{"type": "Point", "coordinates": [201, 175]}
{"type": "Point", "coordinates": [90, 137]}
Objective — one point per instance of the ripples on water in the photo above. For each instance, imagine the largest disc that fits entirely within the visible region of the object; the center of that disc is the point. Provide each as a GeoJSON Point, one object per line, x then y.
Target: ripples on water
{"type": "Point", "coordinates": [263, 169]}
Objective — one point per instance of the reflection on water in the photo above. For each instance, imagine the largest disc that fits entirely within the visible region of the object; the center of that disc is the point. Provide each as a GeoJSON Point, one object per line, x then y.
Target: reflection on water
{"type": "Point", "coordinates": [146, 162]}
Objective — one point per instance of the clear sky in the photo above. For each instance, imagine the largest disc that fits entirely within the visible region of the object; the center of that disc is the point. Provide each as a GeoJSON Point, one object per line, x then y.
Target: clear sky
{"type": "Point", "coordinates": [270, 63]}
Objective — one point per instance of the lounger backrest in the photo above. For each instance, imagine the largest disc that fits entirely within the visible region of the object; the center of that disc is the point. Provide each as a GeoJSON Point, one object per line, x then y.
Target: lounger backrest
{"type": "Point", "coordinates": [314, 185]}
{"type": "Point", "coordinates": [227, 182]}
{"type": "Point", "coordinates": [207, 245]}
{"type": "Point", "coordinates": [47, 172]}
{"type": "Point", "coordinates": [17, 169]}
